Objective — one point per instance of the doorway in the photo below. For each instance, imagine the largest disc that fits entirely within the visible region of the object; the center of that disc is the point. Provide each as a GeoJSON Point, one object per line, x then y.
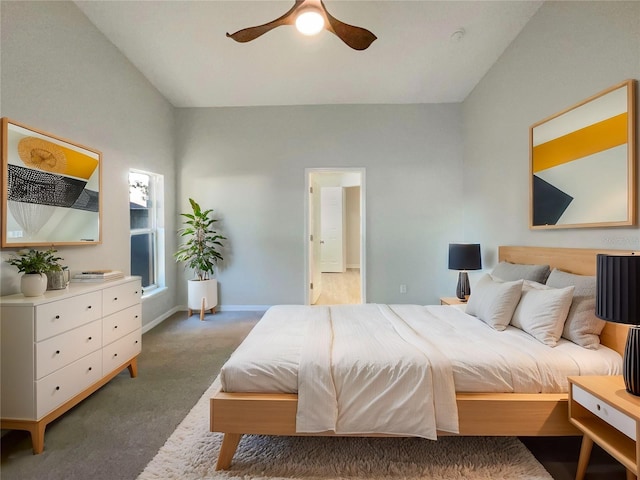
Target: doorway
{"type": "Point", "coordinates": [335, 233]}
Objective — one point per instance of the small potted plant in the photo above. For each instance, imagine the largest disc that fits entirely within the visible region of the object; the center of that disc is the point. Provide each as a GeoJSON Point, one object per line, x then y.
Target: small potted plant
{"type": "Point", "coordinates": [34, 264]}
{"type": "Point", "coordinates": [58, 274]}
{"type": "Point", "coordinates": [200, 252]}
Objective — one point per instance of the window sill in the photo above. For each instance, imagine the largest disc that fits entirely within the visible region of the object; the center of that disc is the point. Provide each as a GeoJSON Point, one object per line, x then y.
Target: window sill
{"type": "Point", "coordinates": [154, 293]}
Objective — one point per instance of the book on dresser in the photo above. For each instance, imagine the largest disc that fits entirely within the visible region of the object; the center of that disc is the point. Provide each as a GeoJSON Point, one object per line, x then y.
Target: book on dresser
{"type": "Point", "coordinates": [97, 276]}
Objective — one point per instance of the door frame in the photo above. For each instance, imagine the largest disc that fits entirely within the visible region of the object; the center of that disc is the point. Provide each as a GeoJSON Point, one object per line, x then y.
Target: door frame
{"type": "Point", "coordinates": [307, 226]}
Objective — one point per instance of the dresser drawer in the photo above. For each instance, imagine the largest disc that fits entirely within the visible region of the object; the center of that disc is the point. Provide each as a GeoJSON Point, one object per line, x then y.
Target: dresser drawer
{"type": "Point", "coordinates": [62, 385]}
{"type": "Point", "coordinates": [57, 317]}
{"type": "Point", "coordinates": [120, 297]}
{"type": "Point", "coordinates": [606, 412]}
{"type": "Point", "coordinates": [63, 349]}
{"type": "Point", "coordinates": [120, 323]}
{"type": "Point", "coordinates": [118, 352]}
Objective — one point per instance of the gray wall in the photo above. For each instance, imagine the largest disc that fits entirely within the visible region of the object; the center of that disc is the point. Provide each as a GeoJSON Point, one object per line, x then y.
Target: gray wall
{"type": "Point", "coordinates": [61, 75]}
{"type": "Point", "coordinates": [248, 164]}
{"type": "Point", "coordinates": [566, 53]}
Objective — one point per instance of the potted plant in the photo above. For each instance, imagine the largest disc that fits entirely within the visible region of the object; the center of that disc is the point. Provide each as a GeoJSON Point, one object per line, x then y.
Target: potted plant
{"type": "Point", "coordinates": [34, 264]}
{"type": "Point", "coordinates": [58, 274]}
{"type": "Point", "coordinates": [200, 253]}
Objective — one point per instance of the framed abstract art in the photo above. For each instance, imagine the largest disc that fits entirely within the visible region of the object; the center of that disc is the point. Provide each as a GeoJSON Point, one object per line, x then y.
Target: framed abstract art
{"type": "Point", "coordinates": [583, 163]}
{"type": "Point", "coordinates": [51, 189]}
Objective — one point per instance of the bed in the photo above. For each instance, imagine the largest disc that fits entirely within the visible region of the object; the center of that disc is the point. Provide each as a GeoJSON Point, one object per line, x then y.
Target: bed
{"type": "Point", "coordinates": [479, 413]}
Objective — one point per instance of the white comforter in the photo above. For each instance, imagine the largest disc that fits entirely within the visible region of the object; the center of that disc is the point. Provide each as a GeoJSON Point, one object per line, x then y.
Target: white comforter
{"type": "Point", "coordinates": [363, 370]}
{"type": "Point", "coordinates": [351, 386]}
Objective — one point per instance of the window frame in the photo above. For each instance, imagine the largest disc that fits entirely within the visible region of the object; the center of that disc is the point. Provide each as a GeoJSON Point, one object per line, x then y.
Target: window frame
{"type": "Point", "coordinates": [155, 228]}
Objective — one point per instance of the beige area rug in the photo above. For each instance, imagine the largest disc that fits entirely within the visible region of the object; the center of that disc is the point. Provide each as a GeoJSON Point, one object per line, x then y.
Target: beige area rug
{"type": "Point", "coordinates": [191, 453]}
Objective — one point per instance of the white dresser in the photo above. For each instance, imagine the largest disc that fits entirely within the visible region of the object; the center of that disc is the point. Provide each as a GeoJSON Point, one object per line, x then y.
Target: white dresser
{"type": "Point", "coordinates": [59, 348]}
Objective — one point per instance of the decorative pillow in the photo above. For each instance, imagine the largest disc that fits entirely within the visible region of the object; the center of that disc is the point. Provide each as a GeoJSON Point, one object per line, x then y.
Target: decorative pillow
{"type": "Point", "coordinates": [582, 326]}
{"type": "Point", "coordinates": [515, 271]}
{"type": "Point", "coordinates": [542, 311]}
{"type": "Point", "coordinates": [494, 301]}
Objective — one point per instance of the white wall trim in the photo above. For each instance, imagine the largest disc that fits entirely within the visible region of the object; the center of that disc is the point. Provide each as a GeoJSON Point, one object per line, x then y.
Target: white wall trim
{"type": "Point", "coordinates": [148, 326]}
{"type": "Point", "coordinates": [232, 308]}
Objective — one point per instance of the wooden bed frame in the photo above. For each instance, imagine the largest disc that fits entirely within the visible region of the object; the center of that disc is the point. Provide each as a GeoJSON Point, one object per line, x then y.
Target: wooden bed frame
{"type": "Point", "coordinates": [480, 414]}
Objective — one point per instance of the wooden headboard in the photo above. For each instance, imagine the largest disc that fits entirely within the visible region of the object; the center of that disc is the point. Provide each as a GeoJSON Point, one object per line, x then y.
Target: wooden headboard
{"type": "Point", "coordinates": [581, 261]}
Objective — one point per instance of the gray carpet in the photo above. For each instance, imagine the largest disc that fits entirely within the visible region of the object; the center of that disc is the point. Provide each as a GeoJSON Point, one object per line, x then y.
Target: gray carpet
{"type": "Point", "coordinates": [119, 429]}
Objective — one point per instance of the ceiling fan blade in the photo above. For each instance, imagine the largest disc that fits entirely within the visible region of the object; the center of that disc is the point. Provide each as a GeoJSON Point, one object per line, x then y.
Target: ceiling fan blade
{"type": "Point", "coordinates": [251, 33]}
{"type": "Point", "coordinates": [357, 38]}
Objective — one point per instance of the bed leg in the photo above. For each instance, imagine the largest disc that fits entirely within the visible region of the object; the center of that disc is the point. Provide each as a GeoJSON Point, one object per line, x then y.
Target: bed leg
{"type": "Point", "coordinates": [227, 450]}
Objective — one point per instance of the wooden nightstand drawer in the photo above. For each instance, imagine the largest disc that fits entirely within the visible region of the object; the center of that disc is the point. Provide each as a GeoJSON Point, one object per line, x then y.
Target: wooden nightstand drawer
{"type": "Point", "coordinates": [601, 408]}
{"type": "Point", "coordinates": [606, 412]}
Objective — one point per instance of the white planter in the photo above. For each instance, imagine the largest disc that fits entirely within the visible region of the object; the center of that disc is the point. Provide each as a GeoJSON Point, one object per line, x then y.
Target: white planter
{"type": "Point", "coordinates": [33, 284]}
{"type": "Point", "coordinates": [202, 295]}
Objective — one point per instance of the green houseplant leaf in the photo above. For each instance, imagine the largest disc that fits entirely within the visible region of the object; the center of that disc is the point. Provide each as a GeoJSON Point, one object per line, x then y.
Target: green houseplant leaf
{"type": "Point", "coordinates": [36, 261]}
{"type": "Point", "coordinates": [200, 250]}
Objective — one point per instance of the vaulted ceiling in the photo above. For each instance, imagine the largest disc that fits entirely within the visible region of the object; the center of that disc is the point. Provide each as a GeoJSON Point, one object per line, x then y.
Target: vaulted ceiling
{"type": "Point", "coordinates": [426, 51]}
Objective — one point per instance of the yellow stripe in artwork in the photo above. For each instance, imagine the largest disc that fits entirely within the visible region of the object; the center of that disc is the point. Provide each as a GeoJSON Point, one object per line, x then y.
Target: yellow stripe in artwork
{"type": "Point", "coordinates": [79, 165]}
{"type": "Point", "coordinates": [595, 138]}
{"type": "Point", "coordinates": [51, 157]}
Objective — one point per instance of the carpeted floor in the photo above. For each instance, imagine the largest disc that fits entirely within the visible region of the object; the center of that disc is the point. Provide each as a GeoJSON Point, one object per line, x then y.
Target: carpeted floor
{"type": "Point", "coordinates": [118, 430]}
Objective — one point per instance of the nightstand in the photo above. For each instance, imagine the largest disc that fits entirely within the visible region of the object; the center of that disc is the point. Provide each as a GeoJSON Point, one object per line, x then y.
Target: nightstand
{"type": "Point", "coordinates": [451, 301]}
{"type": "Point", "coordinates": [608, 415]}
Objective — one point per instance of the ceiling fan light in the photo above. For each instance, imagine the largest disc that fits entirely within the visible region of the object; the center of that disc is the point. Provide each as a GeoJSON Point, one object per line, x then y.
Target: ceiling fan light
{"type": "Point", "coordinates": [309, 22]}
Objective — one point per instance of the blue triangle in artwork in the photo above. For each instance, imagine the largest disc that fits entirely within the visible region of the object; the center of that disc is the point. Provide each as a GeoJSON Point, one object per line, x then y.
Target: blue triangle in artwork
{"type": "Point", "coordinates": [549, 202]}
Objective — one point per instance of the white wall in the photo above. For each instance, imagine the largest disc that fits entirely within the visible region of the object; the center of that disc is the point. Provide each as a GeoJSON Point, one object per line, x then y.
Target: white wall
{"type": "Point", "coordinates": [61, 75]}
{"type": "Point", "coordinates": [249, 165]}
{"type": "Point", "coordinates": [566, 53]}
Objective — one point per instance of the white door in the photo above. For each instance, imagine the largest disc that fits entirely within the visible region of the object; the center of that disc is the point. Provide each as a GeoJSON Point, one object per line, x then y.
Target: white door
{"type": "Point", "coordinates": [332, 229]}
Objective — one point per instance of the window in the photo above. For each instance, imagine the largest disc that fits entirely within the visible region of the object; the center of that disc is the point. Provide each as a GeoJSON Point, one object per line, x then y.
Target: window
{"type": "Point", "coordinates": [147, 228]}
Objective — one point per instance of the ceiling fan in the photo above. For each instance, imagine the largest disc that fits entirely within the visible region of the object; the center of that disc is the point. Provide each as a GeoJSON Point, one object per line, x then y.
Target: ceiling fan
{"type": "Point", "coordinates": [310, 17]}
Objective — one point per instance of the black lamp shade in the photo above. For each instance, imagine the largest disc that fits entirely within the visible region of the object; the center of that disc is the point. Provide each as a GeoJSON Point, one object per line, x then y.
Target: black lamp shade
{"type": "Point", "coordinates": [618, 288]}
{"type": "Point", "coordinates": [618, 300]}
{"type": "Point", "coordinates": [464, 256]}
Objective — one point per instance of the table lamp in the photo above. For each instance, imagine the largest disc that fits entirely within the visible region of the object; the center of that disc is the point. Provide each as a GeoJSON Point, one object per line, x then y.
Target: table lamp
{"type": "Point", "coordinates": [618, 300]}
{"type": "Point", "coordinates": [463, 257]}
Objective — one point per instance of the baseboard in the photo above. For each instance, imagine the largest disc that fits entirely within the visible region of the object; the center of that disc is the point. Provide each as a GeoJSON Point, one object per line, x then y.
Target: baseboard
{"type": "Point", "coordinates": [232, 308]}
{"type": "Point", "coordinates": [157, 321]}
{"type": "Point", "coordinates": [353, 265]}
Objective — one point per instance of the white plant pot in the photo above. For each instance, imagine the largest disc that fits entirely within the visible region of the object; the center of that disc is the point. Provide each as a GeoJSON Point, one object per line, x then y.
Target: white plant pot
{"type": "Point", "coordinates": [202, 291]}
{"type": "Point", "coordinates": [33, 284]}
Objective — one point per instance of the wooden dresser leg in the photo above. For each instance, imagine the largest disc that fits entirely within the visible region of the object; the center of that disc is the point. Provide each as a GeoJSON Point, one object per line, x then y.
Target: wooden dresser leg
{"type": "Point", "coordinates": [133, 368]}
{"type": "Point", "coordinates": [631, 475]}
{"type": "Point", "coordinates": [189, 312]}
{"type": "Point", "coordinates": [585, 454]}
{"type": "Point", "coordinates": [37, 437]}
{"type": "Point", "coordinates": [227, 450]}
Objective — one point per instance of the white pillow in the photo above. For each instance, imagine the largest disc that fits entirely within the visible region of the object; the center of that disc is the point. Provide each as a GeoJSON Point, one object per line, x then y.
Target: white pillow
{"type": "Point", "coordinates": [582, 325]}
{"type": "Point", "coordinates": [494, 301]}
{"type": "Point", "coordinates": [542, 311]}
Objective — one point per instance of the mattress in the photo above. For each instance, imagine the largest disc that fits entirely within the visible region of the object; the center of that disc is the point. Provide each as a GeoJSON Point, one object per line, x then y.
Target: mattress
{"type": "Point", "coordinates": [482, 359]}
